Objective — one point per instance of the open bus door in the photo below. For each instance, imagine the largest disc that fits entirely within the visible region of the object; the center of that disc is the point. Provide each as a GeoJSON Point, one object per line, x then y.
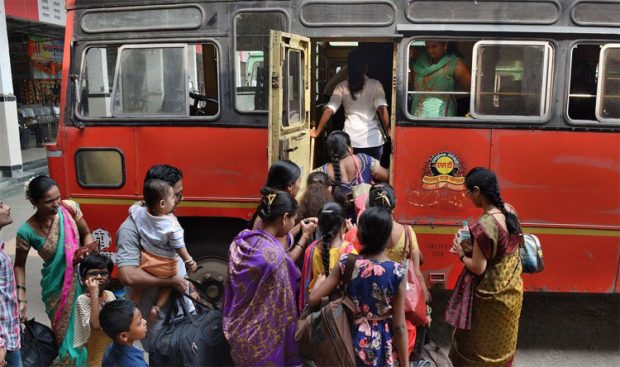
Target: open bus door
{"type": "Point", "coordinates": [289, 100]}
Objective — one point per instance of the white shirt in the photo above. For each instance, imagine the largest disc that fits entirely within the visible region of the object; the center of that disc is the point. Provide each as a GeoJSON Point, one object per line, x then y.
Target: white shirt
{"type": "Point", "coordinates": [159, 236]}
{"type": "Point", "coordinates": [362, 122]}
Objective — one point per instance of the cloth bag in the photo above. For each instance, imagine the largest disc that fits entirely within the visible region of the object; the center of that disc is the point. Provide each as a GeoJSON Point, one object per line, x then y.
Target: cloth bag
{"type": "Point", "coordinates": [324, 336]}
{"type": "Point", "coordinates": [361, 190]}
{"type": "Point", "coordinates": [39, 348]}
{"type": "Point", "coordinates": [531, 254]}
{"type": "Point", "coordinates": [415, 305]}
{"type": "Point", "coordinates": [459, 307]}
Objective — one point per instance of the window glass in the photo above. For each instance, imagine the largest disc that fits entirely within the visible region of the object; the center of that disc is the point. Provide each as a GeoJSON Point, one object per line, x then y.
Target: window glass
{"type": "Point", "coordinates": [608, 104]}
{"type": "Point", "coordinates": [439, 78]}
{"type": "Point", "coordinates": [150, 81]}
{"type": "Point", "coordinates": [252, 57]}
{"type": "Point", "coordinates": [293, 89]}
{"type": "Point", "coordinates": [511, 78]}
{"type": "Point", "coordinates": [583, 82]}
{"type": "Point", "coordinates": [99, 168]}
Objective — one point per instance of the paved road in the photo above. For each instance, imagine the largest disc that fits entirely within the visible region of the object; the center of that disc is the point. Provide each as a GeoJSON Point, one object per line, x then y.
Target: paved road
{"type": "Point", "coordinates": [555, 329]}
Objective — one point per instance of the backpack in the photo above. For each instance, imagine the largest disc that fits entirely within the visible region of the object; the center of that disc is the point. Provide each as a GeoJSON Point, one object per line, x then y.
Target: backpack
{"type": "Point", "coordinates": [193, 340]}
{"type": "Point", "coordinates": [324, 336]}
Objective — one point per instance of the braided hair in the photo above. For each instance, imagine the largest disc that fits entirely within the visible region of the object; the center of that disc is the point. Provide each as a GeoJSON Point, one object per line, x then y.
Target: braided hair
{"type": "Point", "coordinates": [331, 220]}
{"type": "Point", "coordinates": [274, 204]}
{"type": "Point", "coordinates": [486, 180]}
{"type": "Point", "coordinates": [338, 143]}
{"type": "Point", "coordinates": [382, 195]}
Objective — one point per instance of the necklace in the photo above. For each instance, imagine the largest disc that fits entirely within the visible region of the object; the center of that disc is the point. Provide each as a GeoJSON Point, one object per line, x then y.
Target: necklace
{"type": "Point", "coordinates": [45, 230]}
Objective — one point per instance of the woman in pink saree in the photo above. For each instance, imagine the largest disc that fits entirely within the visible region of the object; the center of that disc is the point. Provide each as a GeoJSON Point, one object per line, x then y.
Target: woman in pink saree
{"type": "Point", "coordinates": [259, 312]}
{"type": "Point", "coordinates": [56, 231]}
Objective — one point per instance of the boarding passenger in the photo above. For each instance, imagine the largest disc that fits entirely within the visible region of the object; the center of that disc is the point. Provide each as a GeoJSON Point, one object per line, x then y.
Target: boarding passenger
{"type": "Point", "coordinates": [377, 288]}
{"type": "Point", "coordinates": [318, 192]}
{"type": "Point", "coordinates": [490, 281]}
{"type": "Point", "coordinates": [128, 258]}
{"type": "Point", "coordinates": [259, 312]}
{"type": "Point", "coordinates": [363, 99]}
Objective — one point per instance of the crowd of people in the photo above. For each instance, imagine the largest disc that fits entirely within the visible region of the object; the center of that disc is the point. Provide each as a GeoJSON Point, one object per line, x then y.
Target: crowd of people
{"type": "Point", "coordinates": [282, 264]}
{"type": "Point", "coordinates": [291, 256]}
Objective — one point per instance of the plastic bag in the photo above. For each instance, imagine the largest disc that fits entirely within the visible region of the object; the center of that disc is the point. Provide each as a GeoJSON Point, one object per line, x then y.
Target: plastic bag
{"type": "Point", "coordinates": [39, 346]}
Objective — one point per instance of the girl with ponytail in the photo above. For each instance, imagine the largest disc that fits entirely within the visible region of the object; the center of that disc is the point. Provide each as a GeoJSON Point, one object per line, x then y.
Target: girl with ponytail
{"type": "Point", "coordinates": [259, 298]}
{"type": "Point", "coordinates": [324, 253]}
{"type": "Point", "coordinates": [363, 99]}
{"type": "Point", "coordinates": [492, 273]}
{"type": "Point", "coordinates": [346, 169]}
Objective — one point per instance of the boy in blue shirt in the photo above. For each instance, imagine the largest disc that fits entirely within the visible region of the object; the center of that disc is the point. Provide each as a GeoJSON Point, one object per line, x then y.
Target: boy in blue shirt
{"type": "Point", "coordinates": [123, 322]}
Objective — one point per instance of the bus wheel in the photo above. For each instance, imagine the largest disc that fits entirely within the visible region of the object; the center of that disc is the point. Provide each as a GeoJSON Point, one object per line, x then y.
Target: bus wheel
{"type": "Point", "coordinates": [210, 278]}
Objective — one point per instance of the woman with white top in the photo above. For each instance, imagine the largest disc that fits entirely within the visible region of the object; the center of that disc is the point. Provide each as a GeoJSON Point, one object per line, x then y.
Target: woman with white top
{"type": "Point", "coordinates": [362, 97]}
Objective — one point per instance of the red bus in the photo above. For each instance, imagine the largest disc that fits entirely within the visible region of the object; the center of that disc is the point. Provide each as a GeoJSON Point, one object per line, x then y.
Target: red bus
{"type": "Point", "coordinates": [222, 88]}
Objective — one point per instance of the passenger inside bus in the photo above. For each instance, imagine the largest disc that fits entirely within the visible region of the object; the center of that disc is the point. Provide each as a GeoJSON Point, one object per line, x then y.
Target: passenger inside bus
{"type": "Point", "coordinates": [437, 71]}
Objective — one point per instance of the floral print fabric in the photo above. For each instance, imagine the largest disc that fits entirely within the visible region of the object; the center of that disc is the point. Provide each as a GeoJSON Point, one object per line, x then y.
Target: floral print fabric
{"type": "Point", "coordinates": [372, 289]}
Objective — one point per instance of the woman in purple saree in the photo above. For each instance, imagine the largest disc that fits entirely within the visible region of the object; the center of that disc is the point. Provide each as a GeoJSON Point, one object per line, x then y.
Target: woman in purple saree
{"type": "Point", "coordinates": [259, 313]}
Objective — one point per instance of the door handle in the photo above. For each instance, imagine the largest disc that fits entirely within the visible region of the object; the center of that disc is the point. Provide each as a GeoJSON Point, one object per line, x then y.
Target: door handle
{"type": "Point", "coordinates": [299, 136]}
{"type": "Point", "coordinates": [291, 149]}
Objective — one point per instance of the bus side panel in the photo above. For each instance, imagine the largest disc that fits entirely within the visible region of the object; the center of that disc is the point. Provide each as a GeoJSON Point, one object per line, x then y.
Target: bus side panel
{"type": "Point", "coordinates": [570, 181]}
{"type": "Point", "coordinates": [560, 177]}
{"type": "Point", "coordinates": [219, 163]}
{"type": "Point", "coordinates": [414, 148]}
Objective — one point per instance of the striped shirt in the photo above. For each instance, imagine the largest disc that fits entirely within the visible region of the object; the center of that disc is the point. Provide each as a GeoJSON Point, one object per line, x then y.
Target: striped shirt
{"type": "Point", "coordinates": [9, 309]}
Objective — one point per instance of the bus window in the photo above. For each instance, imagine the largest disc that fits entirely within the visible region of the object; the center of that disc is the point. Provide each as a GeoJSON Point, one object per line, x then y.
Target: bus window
{"type": "Point", "coordinates": [439, 78]}
{"type": "Point", "coordinates": [583, 76]}
{"type": "Point", "coordinates": [608, 96]}
{"type": "Point", "coordinates": [251, 57]}
{"type": "Point", "coordinates": [149, 81]}
{"type": "Point", "coordinates": [512, 79]}
{"type": "Point", "coordinates": [293, 109]}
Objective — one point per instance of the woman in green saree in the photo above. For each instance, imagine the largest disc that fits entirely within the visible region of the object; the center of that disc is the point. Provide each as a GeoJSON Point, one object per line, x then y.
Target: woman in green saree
{"type": "Point", "coordinates": [486, 304]}
{"type": "Point", "coordinates": [437, 70]}
{"type": "Point", "coordinates": [56, 230]}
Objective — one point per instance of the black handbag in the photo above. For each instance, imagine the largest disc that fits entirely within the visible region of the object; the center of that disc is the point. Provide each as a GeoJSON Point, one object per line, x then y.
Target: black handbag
{"type": "Point", "coordinates": [192, 340]}
{"type": "Point", "coordinates": [39, 346]}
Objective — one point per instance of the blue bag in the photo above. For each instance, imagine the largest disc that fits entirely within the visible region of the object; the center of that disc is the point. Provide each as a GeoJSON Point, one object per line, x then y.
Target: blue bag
{"type": "Point", "coordinates": [531, 254]}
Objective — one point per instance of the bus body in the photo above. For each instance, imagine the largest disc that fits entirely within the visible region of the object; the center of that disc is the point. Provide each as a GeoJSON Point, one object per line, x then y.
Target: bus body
{"type": "Point", "coordinates": [221, 89]}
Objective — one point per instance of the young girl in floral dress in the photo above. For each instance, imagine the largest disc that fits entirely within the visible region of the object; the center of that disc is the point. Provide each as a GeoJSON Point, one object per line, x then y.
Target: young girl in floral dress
{"type": "Point", "coordinates": [378, 291]}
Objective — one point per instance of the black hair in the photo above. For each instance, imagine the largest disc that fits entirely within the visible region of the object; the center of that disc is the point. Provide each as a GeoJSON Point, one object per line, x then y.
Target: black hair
{"type": "Point", "coordinates": [356, 65]}
{"type": "Point", "coordinates": [331, 219]}
{"type": "Point", "coordinates": [486, 180]}
{"type": "Point", "coordinates": [275, 203]}
{"type": "Point", "coordinates": [338, 143]}
{"type": "Point", "coordinates": [315, 196]}
{"type": "Point", "coordinates": [38, 186]}
{"type": "Point", "coordinates": [282, 174]}
{"type": "Point", "coordinates": [164, 172]}
{"type": "Point", "coordinates": [95, 261]}
{"type": "Point", "coordinates": [116, 316]}
{"type": "Point", "coordinates": [374, 228]}
{"type": "Point", "coordinates": [382, 195]}
{"type": "Point", "coordinates": [155, 190]}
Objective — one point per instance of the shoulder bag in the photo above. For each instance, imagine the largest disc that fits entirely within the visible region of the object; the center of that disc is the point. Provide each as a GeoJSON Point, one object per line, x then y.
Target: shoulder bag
{"type": "Point", "coordinates": [531, 254]}
{"type": "Point", "coordinates": [361, 189]}
{"type": "Point", "coordinates": [324, 336]}
{"type": "Point", "coordinates": [415, 305]}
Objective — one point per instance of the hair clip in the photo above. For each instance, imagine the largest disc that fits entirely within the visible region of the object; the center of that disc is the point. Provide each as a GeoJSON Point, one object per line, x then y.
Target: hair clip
{"type": "Point", "coordinates": [383, 196]}
{"type": "Point", "coordinates": [271, 198]}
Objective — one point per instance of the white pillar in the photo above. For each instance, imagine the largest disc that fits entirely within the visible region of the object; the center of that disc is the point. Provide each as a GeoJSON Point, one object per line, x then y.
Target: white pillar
{"type": "Point", "coordinates": [10, 150]}
{"type": "Point", "coordinates": [98, 86]}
